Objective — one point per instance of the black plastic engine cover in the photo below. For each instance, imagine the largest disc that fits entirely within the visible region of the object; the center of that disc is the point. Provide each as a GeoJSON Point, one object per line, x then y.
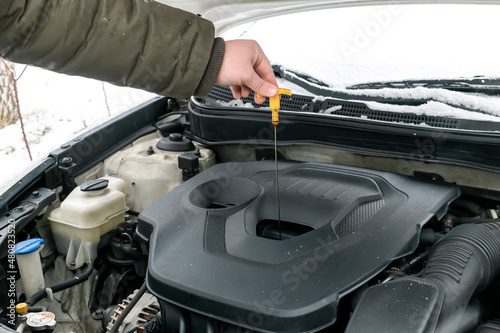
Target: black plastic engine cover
{"type": "Point", "coordinates": [212, 249]}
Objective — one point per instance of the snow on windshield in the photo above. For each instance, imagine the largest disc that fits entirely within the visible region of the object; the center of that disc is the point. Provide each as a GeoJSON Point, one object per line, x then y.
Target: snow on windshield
{"type": "Point", "coordinates": [347, 46]}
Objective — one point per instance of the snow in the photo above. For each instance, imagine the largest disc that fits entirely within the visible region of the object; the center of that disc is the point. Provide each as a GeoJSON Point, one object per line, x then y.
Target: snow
{"type": "Point", "coordinates": [345, 47]}
{"type": "Point", "coordinates": [433, 108]}
{"type": "Point", "coordinates": [391, 43]}
{"type": "Point", "coordinates": [55, 108]}
{"type": "Point", "coordinates": [333, 109]}
{"type": "Point", "coordinates": [233, 103]}
{"type": "Point", "coordinates": [484, 104]}
{"type": "Point", "coordinates": [341, 47]}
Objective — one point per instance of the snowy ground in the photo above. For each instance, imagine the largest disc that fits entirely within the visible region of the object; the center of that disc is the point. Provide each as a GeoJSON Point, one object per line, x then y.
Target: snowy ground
{"type": "Point", "coordinates": [55, 108]}
{"type": "Point", "coordinates": [340, 47]}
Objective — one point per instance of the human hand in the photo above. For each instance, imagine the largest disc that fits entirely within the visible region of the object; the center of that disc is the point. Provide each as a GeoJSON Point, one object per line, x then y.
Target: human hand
{"type": "Point", "coordinates": [245, 68]}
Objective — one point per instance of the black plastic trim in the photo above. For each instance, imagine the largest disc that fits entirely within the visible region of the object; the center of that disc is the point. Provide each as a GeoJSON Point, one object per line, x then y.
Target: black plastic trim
{"type": "Point", "coordinates": [38, 176]}
{"type": "Point", "coordinates": [226, 125]}
{"type": "Point", "coordinates": [353, 106]}
{"type": "Point", "coordinates": [17, 218]}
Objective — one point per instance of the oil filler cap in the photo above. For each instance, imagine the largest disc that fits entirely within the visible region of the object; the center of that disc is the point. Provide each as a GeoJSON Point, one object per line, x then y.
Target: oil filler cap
{"type": "Point", "coordinates": [175, 142]}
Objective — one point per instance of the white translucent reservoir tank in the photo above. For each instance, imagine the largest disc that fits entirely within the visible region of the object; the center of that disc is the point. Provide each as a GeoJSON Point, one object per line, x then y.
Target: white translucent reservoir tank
{"type": "Point", "coordinates": [90, 211]}
{"type": "Point", "coordinates": [30, 266]}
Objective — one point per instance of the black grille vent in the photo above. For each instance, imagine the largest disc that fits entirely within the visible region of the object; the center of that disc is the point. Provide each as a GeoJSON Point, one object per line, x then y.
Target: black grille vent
{"type": "Point", "coordinates": [289, 103]}
{"type": "Point", "coordinates": [358, 217]}
{"type": "Point", "coordinates": [359, 110]}
{"type": "Point", "coordinates": [348, 109]}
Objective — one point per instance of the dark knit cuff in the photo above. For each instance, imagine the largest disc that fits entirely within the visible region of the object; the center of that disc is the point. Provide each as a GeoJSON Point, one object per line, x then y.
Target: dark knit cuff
{"type": "Point", "coordinates": [212, 70]}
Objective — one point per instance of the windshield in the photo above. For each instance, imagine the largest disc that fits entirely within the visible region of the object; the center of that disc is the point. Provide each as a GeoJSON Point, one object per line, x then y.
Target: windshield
{"type": "Point", "coordinates": [344, 47]}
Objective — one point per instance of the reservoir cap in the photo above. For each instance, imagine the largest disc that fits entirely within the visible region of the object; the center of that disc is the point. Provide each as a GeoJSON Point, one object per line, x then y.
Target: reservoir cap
{"type": "Point", "coordinates": [28, 246]}
{"type": "Point", "coordinates": [41, 321]}
{"type": "Point", "coordinates": [21, 308]}
{"type": "Point", "coordinates": [94, 185]}
{"type": "Point", "coordinates": [175, 142]}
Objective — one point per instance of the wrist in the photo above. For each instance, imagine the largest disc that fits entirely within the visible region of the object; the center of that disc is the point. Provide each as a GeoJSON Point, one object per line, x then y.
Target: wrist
{"type": "Point", "coordinates": [212, 69]}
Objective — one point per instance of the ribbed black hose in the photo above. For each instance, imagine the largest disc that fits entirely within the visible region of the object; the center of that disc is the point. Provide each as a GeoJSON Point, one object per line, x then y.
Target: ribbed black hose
{"type": "Point", "coordinates": [463, 263]}
{"type": "Point", "coordinates": [128, 308]}
{"type": "Point", "coordinates": [35, 298]}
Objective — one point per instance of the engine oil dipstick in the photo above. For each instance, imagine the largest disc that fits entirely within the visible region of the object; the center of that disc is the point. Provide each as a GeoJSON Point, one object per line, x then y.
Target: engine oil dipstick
{"type": "Point", "coordinates": [274, 104]}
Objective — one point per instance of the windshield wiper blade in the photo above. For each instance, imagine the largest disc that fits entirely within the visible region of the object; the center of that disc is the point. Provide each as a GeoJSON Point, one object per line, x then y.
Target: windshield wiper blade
{"type": "Point", "coordinates": [481, 85]}
{"type": "Point", "coordinates": [320, 88]}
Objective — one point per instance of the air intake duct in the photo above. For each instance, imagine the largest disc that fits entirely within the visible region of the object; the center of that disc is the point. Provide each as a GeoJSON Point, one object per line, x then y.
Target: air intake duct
{"type": "Point", "coordinates": [461, 264]}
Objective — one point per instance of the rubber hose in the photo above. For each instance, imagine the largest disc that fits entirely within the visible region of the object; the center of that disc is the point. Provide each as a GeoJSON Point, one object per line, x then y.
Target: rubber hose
{"type": "Point", "coordinates": [50, 261]}
{"type": "Point", "coordinates": [37, 309]}
{"type": "Point", "coordinates": [469, 206]}
{"type": "Point", "coordinates": [128, 308]}
{"type": "Point", "coordinates": [35, 298]}
{"type": "Point", "coordinates": [463, 263]}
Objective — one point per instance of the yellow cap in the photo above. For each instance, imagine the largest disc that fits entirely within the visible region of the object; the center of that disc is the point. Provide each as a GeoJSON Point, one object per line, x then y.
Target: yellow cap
{"type": "Point", "coordinates": [21, 308]}
{"type": "Point", "coordinates": [274, 103]}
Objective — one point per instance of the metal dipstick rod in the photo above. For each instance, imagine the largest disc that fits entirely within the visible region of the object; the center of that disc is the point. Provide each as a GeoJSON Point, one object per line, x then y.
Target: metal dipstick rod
{"type": "Point", "coordinates": [277, 182]}
{"type": "Point", "coordinates": [274, 104]}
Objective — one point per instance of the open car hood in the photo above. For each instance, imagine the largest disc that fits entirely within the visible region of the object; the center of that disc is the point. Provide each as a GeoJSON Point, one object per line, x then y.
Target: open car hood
{"type": "Point", "coordinates": [226, 14]}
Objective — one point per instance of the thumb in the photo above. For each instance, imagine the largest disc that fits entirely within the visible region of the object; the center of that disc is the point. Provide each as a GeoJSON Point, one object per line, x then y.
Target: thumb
{"type": "Point", "coordinates": [262, 87]}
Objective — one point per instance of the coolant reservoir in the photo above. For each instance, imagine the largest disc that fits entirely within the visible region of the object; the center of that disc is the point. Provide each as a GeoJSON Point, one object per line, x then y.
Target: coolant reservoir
{"type": "Point", "coordinates": [90, 210]}
{"type": "Point", "coordinates": [150, 168]}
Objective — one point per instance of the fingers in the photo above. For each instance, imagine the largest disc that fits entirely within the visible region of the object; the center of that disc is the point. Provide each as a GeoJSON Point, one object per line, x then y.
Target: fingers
{"type": "Point", "coordinates": [259, 100]}
{"type": "Point", "coordinates": [264, 69]}
{"type": "Point", "coordinates": [263, 81]}
{"type": "Point", "coordinates": [245, 68]}
{"type": "Point", "coordinates": [260, 86]}
{"type": "Point", "coordinates": [236, 90]}
{"type": "Point", "coordinates": [245, 91]}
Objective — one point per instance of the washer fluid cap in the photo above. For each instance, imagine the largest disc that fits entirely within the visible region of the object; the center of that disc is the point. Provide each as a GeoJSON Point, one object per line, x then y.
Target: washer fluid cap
{"type": "Point", "coordinates": [175, 142]}
{"type": "Point", "coordinates": [28, 246]}
{"type": "Point", "coordinates": [94, 185]}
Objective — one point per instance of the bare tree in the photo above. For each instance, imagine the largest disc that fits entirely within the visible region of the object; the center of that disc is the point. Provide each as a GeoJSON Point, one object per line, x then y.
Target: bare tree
{"type": "Point", "coordinates": [8, 106]}
{"type": "Point", "coordinates": [10, 111]}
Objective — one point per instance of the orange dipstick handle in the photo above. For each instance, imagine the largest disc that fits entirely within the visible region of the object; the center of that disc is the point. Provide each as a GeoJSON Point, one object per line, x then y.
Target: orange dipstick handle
{"type": "Point", "coordinates": [274, 103]}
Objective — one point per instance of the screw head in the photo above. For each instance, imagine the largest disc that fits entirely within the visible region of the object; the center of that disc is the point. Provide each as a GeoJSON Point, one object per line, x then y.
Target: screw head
{"type": "Point", "coordinates": [66, 161]}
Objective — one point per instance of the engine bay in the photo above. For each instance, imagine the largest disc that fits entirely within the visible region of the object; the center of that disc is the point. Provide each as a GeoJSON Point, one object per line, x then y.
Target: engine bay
{"type": "Point", "coordinates": [173, 233]}
{"type": "Point", "coordinates": [337, 232]}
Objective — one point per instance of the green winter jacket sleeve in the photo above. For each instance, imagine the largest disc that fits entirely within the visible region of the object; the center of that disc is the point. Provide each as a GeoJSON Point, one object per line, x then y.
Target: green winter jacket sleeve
{"type": "Point", "coordinates": [136, 43]}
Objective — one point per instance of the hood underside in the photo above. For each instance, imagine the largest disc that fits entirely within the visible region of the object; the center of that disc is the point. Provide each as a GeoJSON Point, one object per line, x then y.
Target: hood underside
{"type": "Point", "coordinates": [226, 14]}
